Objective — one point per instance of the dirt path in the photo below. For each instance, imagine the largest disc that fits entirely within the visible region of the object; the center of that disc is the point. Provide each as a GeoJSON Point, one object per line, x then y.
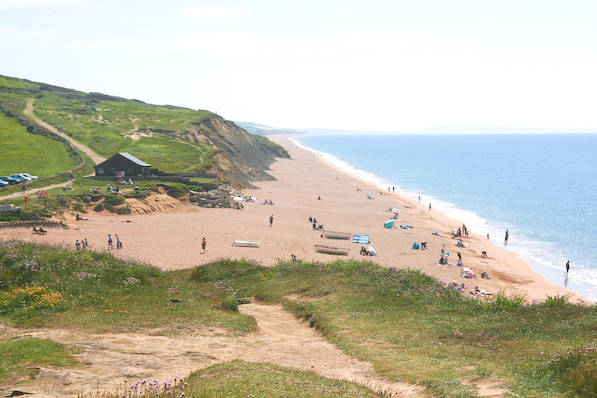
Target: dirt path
{"type": "Point", "coordinates": [281, 339]}
{"type": "Point", "coordinates": [33, 191]}
{"type": "Point", "coordinates": [30, 114]}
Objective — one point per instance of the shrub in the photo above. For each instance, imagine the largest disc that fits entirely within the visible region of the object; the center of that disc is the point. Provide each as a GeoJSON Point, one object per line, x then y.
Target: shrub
{"type": "Point", "coordinates": [114, 200]}
{"type": "Point", "coordinates": [99, 207]}
{"type": "Point", "coordinates": [176, 192]}
{"type": "Point", "coordinates": [575, 370]}
{"type": "Point", "coordinates": [230, 303]}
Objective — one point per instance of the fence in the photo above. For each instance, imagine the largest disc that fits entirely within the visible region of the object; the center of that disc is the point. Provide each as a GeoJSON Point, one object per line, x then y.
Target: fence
{"type": "Point", "coordinates": [34, 223]}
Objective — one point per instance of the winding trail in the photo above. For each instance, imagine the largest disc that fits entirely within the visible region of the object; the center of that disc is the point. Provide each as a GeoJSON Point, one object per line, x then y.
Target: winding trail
{"type": "Point", "coordinates": [88, 151]}
{"type": "Point", "coordinates": [112, 359]}
{"type": "Point", "coordinates": [83, 148]}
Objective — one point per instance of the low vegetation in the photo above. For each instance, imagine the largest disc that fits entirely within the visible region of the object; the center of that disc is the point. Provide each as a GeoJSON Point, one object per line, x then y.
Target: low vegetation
{"type": "Point", "coordinates": [414, 329]}
{"type": "Point", "coordinates": [48, 286]}
{"type": "Point", "coordinates": [19, 356]}
{"type": "Point", "coordinates": [407, 324]}
{"type": "Point", "coordinates": [244, 379]}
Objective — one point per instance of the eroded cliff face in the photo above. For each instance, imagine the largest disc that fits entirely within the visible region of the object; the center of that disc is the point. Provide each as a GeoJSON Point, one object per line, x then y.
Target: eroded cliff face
{"type": "Point", "coordinates": [240, 158]}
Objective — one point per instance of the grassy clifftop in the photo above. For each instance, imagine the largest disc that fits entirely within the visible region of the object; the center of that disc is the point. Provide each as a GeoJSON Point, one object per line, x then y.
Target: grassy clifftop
{"type": "Point", "coordinates": [173, 139]}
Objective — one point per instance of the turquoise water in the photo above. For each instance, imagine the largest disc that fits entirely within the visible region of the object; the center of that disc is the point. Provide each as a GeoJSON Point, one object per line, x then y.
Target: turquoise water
{"type": "Point", "coordinates": [542, 188]}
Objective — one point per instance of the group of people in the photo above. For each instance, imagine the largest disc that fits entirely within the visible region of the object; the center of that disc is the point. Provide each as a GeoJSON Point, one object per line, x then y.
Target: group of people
{"type": "Point", "coordinates": [82, 244]}
{"type": "Point", "coordinates": [268, 202]}
{"type": "Point", "coordinates": [111, 242]}
{"type": "Point", "coordinates": [79, 217]}
{"type": "Point", "coordinates": [112, 189]}
{"type": "Point", "coordinates": [460, 232]}
{"type": "Point", "coordinates": [316, 226]}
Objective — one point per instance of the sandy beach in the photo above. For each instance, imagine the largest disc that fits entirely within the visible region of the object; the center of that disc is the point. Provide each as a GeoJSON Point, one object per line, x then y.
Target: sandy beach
{"type": "Point", "coordinates": [172, 239]}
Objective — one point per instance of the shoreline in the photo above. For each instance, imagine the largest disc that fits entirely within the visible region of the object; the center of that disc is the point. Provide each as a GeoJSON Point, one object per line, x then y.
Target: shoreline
{"type": "Point", "coordinates": [372, 179]}
{"type": "Point", "coordinates": [172, 239]}
{"type": "Point", "coordinates": [377, 182]}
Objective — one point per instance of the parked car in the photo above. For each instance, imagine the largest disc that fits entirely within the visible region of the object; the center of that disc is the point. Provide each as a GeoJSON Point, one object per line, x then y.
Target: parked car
{"type": "Point", "coordinates": [27, 175]}
{"type": "Point", "coordinates": [20, 177]}
{"type": "Point", "coordinates": [10, 180]}
{"type": "Point", "coordinates": [4, 183]}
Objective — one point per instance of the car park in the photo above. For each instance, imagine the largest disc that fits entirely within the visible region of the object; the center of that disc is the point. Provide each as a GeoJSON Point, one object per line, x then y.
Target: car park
{"type": "Point", "coordinates": [29, 176]}
{"type": "Point", "coordinates": [4, 183]}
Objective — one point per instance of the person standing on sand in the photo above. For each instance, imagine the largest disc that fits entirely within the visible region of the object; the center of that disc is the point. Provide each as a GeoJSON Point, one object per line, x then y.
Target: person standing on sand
{"type": "Point", "coordinates": [271, 220]}
{"type": "Point", "coordinates": [203, 244]}
{"type": "Point", "coordinates": [567, 266]}
{"type": "Point", "coordinates": [110, 242]}
{"type": "Point", "coordinates": [429, 206]}
{"type": "Point", "coordinates": [506, 236]}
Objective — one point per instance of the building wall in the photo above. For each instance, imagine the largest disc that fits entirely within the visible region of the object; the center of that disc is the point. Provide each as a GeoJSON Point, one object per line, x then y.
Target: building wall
{"type": "Point", "coordinates": [119, 163]}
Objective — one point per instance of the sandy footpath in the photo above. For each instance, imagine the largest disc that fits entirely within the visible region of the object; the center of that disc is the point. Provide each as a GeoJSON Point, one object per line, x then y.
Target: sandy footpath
{"type": "Point", "coordinates": [171, 240]}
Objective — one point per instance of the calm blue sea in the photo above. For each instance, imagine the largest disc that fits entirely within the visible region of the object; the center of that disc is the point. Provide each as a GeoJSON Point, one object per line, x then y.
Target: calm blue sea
{"type": "Point", "coordinates": [542, 188]}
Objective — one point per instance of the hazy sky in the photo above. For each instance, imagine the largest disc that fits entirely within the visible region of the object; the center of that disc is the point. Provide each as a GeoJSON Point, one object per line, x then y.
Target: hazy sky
{"type": "Point", "coordinates": [391, 65]}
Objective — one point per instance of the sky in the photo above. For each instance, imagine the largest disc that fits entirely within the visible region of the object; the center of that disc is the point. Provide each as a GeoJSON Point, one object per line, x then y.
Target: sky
{"type": "Point", "coordinates": [394, 65]}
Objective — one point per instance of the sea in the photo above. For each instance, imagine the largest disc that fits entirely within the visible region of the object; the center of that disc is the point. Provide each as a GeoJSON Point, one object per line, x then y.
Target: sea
{"type": "Point", "coordinates": [542, 188]}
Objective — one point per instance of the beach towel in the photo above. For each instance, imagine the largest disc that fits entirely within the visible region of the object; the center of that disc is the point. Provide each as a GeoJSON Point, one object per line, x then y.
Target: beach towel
{"type": "Point", "coordinates": [360, 239]}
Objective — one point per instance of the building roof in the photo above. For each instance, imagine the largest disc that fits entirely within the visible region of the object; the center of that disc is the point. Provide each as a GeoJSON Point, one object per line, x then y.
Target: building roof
{"type": "Point", "coordinates": [134, 159]}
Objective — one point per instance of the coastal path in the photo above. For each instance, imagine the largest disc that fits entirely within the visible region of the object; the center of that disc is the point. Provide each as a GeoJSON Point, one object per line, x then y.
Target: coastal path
{"type": "Point", "coordinates": [113, 358]}
{"type": "Point", "coordinates": [83, 148]}
{"type": "Point", "coordinates": [88, 151]}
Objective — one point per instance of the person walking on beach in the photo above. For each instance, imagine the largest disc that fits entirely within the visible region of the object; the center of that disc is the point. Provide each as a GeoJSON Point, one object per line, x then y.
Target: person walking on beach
{"type": "Point", "coordinates": [506, 236]}
{"type": "Point", "coordinates": [203, 244]}
{"type": "Point", "coordinates": [118, 243]}
{"type": "Point", "coordinates": [110, 242]}
{"type": "Point", "coordinates": [271, 220]}
{"type": "Point", "coordinates": [78, 245]}
{"type": "Point", "coordinates": [567, 266]}
{"type": "Point", "coordinates": [429, 206]}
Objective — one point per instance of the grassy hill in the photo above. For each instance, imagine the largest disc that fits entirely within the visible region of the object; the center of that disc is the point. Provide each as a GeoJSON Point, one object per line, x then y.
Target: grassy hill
{"type": "Point", "coordinates": [40, 155]}
{"type": "Point", "coordinates": [172, 139]}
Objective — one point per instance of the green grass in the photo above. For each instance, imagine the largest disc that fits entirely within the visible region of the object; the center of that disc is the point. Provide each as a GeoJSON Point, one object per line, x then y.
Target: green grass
{"type": "Point", "coordinates": [413, 329]}
{"type": "Point", "coordinates": [23, 152]}
{"type": "Point", "coordinates": [243, 379]}
{"type": "Point", "coordinates": [19, 355]}
{"type": "Point", "coordinates": [108, 129]}
{"type": "Point", "coordinates": [48, 286]}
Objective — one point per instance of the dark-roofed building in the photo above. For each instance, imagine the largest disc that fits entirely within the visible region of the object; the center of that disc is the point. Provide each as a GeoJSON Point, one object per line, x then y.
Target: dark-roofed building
{"type": "Point", "coordinates": [123, 164]}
